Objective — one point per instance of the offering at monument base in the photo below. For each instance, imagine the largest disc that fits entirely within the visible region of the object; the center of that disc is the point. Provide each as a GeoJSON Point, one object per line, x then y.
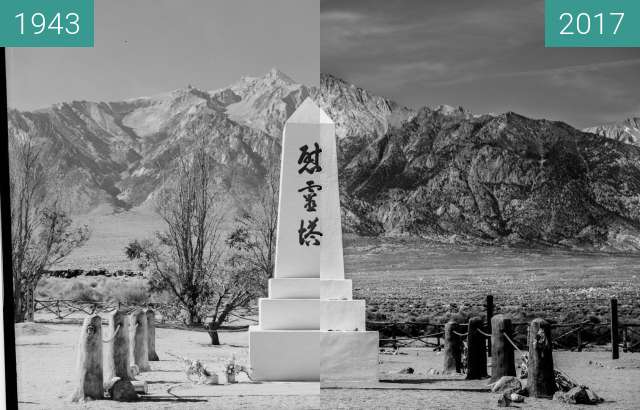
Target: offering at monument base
{"type": "Point", "coordinates": [309, 328]}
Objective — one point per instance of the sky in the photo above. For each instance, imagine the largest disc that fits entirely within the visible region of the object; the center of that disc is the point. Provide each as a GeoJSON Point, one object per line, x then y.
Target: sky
{"type": "Point", "coordinates": [487, 56]}
{"type": "Point", "coordinates": [146, 47]}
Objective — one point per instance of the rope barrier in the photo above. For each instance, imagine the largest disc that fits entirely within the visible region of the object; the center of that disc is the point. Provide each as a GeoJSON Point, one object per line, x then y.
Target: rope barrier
{"type": "Point", "coordinates": [483, 333]}
{"type": "Point", "coordinates": [460, 334]}
{"type": "Point", "coordinates": [115, 332]}
{"type": "Point", "coordinates": [506, 336]}
{"type": "Point", "coordinates": [568, 333]}
{"type": "Point", "coordinates": [415, 337]}
{"type": "Point", "coordinates": [242, 317]}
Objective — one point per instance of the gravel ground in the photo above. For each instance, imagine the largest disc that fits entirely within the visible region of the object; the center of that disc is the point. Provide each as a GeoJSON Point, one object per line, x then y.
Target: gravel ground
{"type": "Point", "coordinates": [46, 359]}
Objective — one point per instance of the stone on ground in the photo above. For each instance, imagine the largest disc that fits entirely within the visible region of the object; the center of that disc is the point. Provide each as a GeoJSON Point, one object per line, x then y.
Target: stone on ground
{"type": "Point", "coordinates": [123, 390]}
{"type": "Point", "coordinates": [578, 395]}
{"type": "Point", "coordinates": [506, 384]}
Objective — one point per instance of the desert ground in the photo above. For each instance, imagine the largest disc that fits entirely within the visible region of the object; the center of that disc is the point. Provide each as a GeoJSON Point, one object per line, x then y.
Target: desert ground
{"type": "Point", "coordinates": [408, 279]}
{"type": "Point", "coordinates": [401, 279]}
{"type": "Point", "coordinates": [46, 353]}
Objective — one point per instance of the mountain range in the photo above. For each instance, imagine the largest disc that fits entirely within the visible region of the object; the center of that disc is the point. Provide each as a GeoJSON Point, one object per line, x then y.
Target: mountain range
{"type": "Point", "coordinates": [439, 172]}
{"type": "Point", "coordinates": [627, 131]}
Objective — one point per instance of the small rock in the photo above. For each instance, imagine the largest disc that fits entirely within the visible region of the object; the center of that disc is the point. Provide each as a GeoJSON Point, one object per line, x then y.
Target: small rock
{"type": "Point", "coordinates": [506, 384]}
{"type": "Point", "coordinates": [504, 401]}
{"type": "Point", "coordinates": [123, 390]}
{"type": "Point", "coordinates": [593, 398]}
{"type": "Point", "coordinates": [516, 398]}
{"type": "Point", "coordinates": [406, 370]}
{"type": "Point", "coordinates": [578, 395]}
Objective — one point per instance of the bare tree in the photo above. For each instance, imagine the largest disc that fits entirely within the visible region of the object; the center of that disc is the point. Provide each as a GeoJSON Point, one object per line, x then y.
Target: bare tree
{"type": "Point", "coordinates": [184, 256]}
{"type": "Point", "coordinates": [204, 275]}
{"type": "Point", "coordinates": [41, 231]}
{"type": "Point", "coordinates": [255, 233]}
{"type": "Point", "coordinates": [237, 285]}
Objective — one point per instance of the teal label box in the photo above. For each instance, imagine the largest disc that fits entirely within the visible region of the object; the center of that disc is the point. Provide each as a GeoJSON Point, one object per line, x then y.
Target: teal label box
{"type": "Point", "coordinates": [46, 23]}
{"type": "Point", "coordinates": [592, 23]}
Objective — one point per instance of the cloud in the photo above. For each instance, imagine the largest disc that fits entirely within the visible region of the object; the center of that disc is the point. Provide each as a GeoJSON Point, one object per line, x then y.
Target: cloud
{"type": "Point", "coordinates": [488, 55]}
{"type": "Point", "coordinates": [341, 17]}
{"type": "Point", "coordinates": [559, 74]}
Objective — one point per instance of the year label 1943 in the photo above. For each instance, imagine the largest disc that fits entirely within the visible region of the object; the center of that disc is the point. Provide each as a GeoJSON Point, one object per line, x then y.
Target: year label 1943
{"type": "Point", "coordinates": [46, 23]}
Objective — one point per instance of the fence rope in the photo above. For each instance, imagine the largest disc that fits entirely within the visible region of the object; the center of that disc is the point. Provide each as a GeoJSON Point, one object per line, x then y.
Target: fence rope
{"type": "Point", "coordinates": [460, 334]}
{"type": "Point", "coordinates": [416, 338]}
{"type": "Point", "coordinates": [242, 317]}
{"type": "Point", "coordinates": [115, 332]}
{"type": "Point", "coordinates": [483, 333]}
{"type": "Point", "coordinates": [568, 333]}
{"type": "Point", "coordinates": [506, 336]}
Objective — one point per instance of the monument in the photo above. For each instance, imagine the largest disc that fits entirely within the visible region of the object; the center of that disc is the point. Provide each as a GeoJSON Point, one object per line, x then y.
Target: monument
{"type": "Point", "coordinates": [310, 328]}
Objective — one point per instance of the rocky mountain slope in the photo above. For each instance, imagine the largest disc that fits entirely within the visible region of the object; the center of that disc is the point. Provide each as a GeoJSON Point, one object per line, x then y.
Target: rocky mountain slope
{"type": "Point", "coordinates": [501, 179]}
{"type": "Point", "coordinates": [117, 155]}
{"type": "Point", "coordinates": [436, 172]}
{"type": "Point", "coordinates": [627, 131]}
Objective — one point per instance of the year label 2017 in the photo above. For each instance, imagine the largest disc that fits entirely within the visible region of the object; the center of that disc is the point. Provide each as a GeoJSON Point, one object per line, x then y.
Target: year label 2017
{"type": "Point", "coordinates": [592, 23]}
{"type": "Point", "coordinates": [581, 24]}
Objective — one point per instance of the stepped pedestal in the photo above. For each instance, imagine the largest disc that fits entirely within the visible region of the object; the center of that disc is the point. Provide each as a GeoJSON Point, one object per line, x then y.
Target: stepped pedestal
{"type": "Point", "coordinates": [310, 328]}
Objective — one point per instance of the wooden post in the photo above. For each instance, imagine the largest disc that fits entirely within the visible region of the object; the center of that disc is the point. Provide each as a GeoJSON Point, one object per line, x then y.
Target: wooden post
{"type": "Point", "coordinates": [503, 362]}
{"type": "Point", "coordinates": [138, 340]}
{"type": "Point", "coordinates": [476, 351]}
{"type": "Point", "coordinates": [438, 347]}
{"type": "Point", "coordinates": [116, 358]}
{"type": "Point", "coordinates": [579, 338]}
{"type": "Point", "coordinates": [615, 349]}
{"type": "Point", "coordinates": [541, 377]}
{"type": "Point", "coordinates": [625, 339]}
{"type": "Point", "coordinates": [452, 349]}
{"type": "Point", "coordinates": [151, 333]}
{"type": "Point", "coordinates": [393, 336]}
{"type": "Point", "coordinates": [89, 383]}
{"type": "Point", "coordinates": [489, 316]}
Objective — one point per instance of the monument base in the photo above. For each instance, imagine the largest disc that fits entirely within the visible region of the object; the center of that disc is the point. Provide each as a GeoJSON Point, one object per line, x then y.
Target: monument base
{"type": "Point", "coordinates": [284, 355]}
{"type": "Point", "coordinates": [349, 356]}
{"type": "Point", "coordinates": [313, 355]}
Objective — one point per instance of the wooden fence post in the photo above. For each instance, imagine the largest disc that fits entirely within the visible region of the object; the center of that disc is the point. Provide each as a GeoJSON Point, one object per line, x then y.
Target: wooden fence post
{"type": "Point", "coordinates": [117, 361]}
{"type": "Point", "coordinates": [394, 342]}
{"type": "Point", "coordinates": [541, 376]}
{"type": "Point", "coordinates": [151, 333]}
{"type": "Point", "coordinates": [625, 339]}
{"type": "Point", "coordinates": [138, 340]}
{"type": "Point", "coordinates": [579, 335]}
{"type": "Point", "coordinates": [615, 349]}
{"type": "Point", "coordinates": [489, 316]}
{"type": "Point", "coordinates": [476, 351]}
{"type": "Point", "coordinates": [452, 349]}
{"type": "Point", "coordinates": [503, 362]}
{"type": "Point", "coordinates": [89, 363]}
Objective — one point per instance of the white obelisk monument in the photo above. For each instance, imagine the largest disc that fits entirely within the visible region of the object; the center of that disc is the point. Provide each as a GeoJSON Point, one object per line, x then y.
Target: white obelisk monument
{"type": "Point", "coordinates": [310, 328]}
